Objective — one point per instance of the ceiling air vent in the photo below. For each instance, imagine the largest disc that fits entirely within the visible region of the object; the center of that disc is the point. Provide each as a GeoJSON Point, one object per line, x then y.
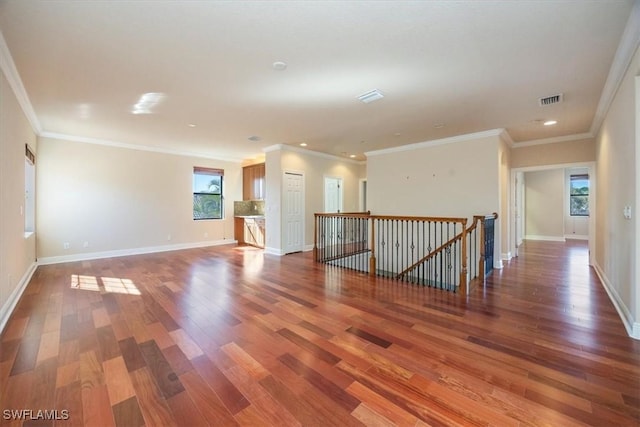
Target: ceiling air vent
{"type": "Point", "coordinates": [371, 96]}
{"type": "Point", "coordinates": [550, 100]}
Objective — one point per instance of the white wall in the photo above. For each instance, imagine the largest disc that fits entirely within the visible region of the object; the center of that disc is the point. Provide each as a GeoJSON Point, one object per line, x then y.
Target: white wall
{"type": "Point", "coordinates": [17, 253]}
{"type": "Point", "coordinates": [617, 168]}
{"type": "Point", "coordinates": [118, 199]}
{"type": "Point", "coordinates": [544, 204]}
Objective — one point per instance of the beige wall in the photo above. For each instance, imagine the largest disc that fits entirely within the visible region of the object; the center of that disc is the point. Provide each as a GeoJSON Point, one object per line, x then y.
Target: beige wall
{"type": "Point", "coordinates": [314, 167]}
{"type": "Point", "coordinates": [557, 153]}
{"type": "Point", "coordinates": [117, 199]}
{"type": "Point", "coordinates": [273, 201]}
{"type": "Point", "coordinates": [459, 179]}
{"type": "Point", "coordinates": [616, 237]}
{"type": "Point", "coordinates": [17, 253]}
{"type": "Point", "coordinates": [505, 199]}
{"type": "Point", "coordinates": [544, 204]}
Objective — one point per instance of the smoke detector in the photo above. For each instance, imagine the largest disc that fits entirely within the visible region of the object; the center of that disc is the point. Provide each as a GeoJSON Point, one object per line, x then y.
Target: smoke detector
{"type": "Point", "coordinates": [550, 100]}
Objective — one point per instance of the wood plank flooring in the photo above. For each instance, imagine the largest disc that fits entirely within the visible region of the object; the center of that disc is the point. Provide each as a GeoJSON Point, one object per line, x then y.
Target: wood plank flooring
{"type": "Point", "coordinates": [230, 336]}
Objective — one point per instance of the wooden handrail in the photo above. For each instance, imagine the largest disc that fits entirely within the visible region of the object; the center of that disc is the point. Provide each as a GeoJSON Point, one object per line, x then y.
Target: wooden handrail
{"type": "Point", "coordinates": [341, 214]}
{"type": "Point", "coordinates": [431, 254]}
{"type": "Point", "coordinates": [461, 236]}
{"type": "Point", "coordinates": [479, 218]}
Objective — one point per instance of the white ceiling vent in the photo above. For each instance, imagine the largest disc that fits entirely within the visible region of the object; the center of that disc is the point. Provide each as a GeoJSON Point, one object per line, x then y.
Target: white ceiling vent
{"type": "Point", "coordinates": [550, 100]}
{"type": "Point", "coordinates": [372, 95]}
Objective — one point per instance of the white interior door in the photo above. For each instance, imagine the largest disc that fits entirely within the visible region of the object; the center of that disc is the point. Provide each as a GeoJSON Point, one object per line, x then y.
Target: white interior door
{"type": "Point", "coordinates": [294, 212]}
{"type": "Point", "coordinates": [332, 194]}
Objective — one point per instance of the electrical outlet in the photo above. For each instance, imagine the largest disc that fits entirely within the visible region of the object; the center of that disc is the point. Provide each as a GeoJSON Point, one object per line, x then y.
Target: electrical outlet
{"type": "Point", "coordinates": [85, 245]}
{"type": "Point", "coordinates": [206, 234]}
{"type": "Point", "coordinates": [168, 237]}
{"type": "Point", "coordinates": [66, 245]}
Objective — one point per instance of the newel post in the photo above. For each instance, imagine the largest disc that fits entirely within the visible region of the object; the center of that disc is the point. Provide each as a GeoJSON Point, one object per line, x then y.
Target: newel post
{"type": "Point", "coordinates": [463, 262]}
{"type": "Point", "coordinates": [372, 258]}
{"type": "Point", "coordinates": [315, 238]}
{"type": "Point", "coordinates": [482, 262]}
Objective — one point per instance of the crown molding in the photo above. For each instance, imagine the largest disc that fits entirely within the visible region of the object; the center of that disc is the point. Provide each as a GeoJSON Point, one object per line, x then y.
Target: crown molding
{"type": "Point", "coordinates": [627, 47]}
{"type": "Point", "coordinates": [451, 140]}
{"type": "Point", "coordinates": [504, 135]}
{"type": "Point", "coordinates": [555, 139]}
{"type": "Point", "coordinates": [10, 71]}
{"type": "Point", "coordinates": [284, 147]}
{"type": "Point", "coordinates": [95, 141]}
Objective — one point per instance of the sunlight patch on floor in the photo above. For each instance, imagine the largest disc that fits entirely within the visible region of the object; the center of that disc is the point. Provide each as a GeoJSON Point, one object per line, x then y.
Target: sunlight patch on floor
{"type": "Point", "coordinates": [112, 285]}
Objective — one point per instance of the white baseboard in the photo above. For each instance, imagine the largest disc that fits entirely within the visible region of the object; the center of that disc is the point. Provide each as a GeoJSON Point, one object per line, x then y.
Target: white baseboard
{"type": "Point", "coordinates": [10, 304]}
{"type": "Point", "coordinates": [506, 256]}
{"type": "Point", "coordinates": [273, 251]}
{"type": "Point", "coordinates": [632, 327]}
{"type": "Point", "coordinates": [280, 252]}
{"type": "Point", "coordinates": [575, 237]}
{"type": "Point", "coordinates": [133, 251]}
{"type": "Point", "coordinates": [544, 238]}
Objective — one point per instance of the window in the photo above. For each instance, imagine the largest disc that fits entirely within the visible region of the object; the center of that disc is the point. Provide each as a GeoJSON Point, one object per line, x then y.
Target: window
{"type": "Point", "coordinates": [29, 191]}
{"type": "Point", "coordinates": [579, 195]}
{"type": "Point", "coordinates": [207, 193]}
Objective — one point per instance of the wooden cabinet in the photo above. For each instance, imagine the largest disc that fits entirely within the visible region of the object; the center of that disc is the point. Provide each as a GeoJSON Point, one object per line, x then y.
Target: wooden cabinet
{"type": "Point", "coordinates": [253, 182]}
{"type": "Point", "coordinates": [254, 232]}
{"type": "Point", "coordinates": [249, 231]}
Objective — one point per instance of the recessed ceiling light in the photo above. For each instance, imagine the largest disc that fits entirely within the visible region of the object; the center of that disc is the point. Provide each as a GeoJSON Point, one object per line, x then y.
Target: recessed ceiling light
{"type": "Point", "coordinates": [438, 125]}
{"type": "Point", "coordinates": [550, 122]}
{"type": "Point", "coordinates": [279, 66]}
{"type": "Point", "coordinates": [254, 138]}
{"type": "Point", "coordinates": [397, 134]}
{"type": "Point", "coordinates": [353, 156]}
{"type": "Point", "coordinates": [303, 144]}
{"type": "Point", "coordinates": [191, 125]}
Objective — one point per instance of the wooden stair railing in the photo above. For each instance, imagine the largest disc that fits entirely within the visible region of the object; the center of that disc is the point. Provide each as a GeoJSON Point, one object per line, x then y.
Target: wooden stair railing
{"type": "Point", "coordinates": [400, 245]}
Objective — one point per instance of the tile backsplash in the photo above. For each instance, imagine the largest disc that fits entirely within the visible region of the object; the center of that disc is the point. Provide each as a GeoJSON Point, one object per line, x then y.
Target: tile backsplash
{"type": "Point", "coordinates": [248, 207]}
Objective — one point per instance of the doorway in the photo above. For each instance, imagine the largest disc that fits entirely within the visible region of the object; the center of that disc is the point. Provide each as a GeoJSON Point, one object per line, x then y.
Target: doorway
{"type": "Point", "coordinates": [293, 211]}
{"type": "Point", "coordinates": [520, 215]}
{"type": "Point", "coordinates": [333, 198]}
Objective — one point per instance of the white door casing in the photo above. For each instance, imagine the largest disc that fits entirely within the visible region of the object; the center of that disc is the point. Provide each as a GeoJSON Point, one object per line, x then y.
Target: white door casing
{"type": "Point", "coordinates": [293, 233]}
{"type": "Point", "coordinates": [333, 194]}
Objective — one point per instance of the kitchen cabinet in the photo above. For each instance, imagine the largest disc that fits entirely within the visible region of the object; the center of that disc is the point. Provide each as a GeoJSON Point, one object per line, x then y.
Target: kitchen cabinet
{"type": "Point", "coordinates": [253, 182]}
{"type": "Point", "coordinates": [249, 230]}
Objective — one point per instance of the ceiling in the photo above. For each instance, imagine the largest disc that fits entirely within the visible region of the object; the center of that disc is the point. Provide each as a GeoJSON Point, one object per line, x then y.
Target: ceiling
{"type": "Point", "coordinates": [445, 68]}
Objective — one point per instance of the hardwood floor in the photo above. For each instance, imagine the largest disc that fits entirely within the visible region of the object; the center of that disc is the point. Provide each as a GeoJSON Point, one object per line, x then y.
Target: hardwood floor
{"type": "Point", "coordinates": [229, 336]}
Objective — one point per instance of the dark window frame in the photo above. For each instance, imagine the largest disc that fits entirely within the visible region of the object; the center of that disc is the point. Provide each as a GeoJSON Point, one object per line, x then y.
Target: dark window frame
{"type": "Point", "coordinates": [202, 212]}
{"type": "Point", "coordinates": [578, 196]}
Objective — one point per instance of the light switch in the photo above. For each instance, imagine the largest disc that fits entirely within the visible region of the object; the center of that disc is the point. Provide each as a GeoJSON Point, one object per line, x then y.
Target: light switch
{"type": "Point", "coordinates": [627, 212]}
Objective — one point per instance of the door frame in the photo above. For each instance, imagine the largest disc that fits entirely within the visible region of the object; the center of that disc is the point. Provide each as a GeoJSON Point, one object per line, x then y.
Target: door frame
{"type": "Point", "coordinates": [284, 219]}
{"type": "Point", "coordinates": [340, 192]}
{"type": "Point", "coordinates": [362, 196]}
{"type": "Point", "coordinates": [592, 201]}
